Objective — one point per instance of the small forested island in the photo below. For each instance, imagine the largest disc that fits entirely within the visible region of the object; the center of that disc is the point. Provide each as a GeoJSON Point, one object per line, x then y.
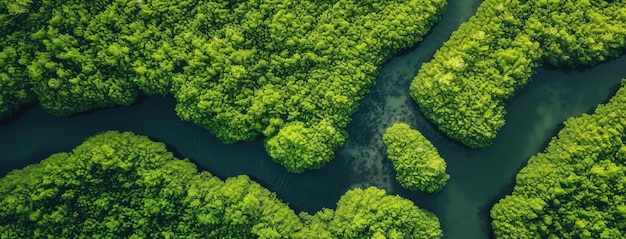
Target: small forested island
{"type": "Point", "coordinates": [417, 163]}
{"type": "Point", "coordinates": [121, 185]}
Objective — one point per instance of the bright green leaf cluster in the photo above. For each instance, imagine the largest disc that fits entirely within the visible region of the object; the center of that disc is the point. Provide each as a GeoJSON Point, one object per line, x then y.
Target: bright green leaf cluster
{"type": "Point", "coordinates": [371, 213]}
{"type": "Point", "coordinates": [297, 147]}
{"type": "Point", "coordinates": [14, 91]}
{"type": "Point", "coordinates": [490, 57]}
{"type": "Point", "coordinates": [237, 68]}
{"type": "Point", "coordinates": [120, 185]}
{"type": "Point", "coordinates": [576, 188]}
{"type": "Point", "coordinates": [417, 163]}
{"type": "Point", "coordinates": [15, 6]}
{"type": "Point", "coordinates": [16, 52]}
{"type": "Point", "coordinates": [578, 33]}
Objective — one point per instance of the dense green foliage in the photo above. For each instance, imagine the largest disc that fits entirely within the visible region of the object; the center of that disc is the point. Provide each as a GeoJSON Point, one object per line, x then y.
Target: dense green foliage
{"type": "Point", "coordinates": [120, 185]}
{"type": "Point", "coordinates": [417, 162]}
{"type": "Point", "coordinates": [490, 57]}
{"type": "Point", "coordinates": [370, 213]}
{"type": "Point", "coordinates": [576, 188]}
{"type": "Point", "coordinates": [76, 55]}
{"type": "Point", "coordinates": [15, 54]}
{"type": "Point", "coordinates": [241, 69]}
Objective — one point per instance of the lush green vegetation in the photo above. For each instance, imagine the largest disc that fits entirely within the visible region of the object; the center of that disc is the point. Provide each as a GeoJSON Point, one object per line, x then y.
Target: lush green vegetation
{"type": "Point", "coordinates": [417, 163]}
{"type": "Point", "coordinates": [370, 213]}
{"type": "Point", "coordinates": [120, 185]}
{"type": "Point", "coordinates": [293, 71]}
{"type": "Point", "coordinates": [15, 48]}
{"type": "Point", "coordinates": [576, 188]}
{"type": "Point", "coordinates": [489, 58]}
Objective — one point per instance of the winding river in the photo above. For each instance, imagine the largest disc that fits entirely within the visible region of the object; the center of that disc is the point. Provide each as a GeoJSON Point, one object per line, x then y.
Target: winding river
{"type": "Point", "coordinates": [479, 177]}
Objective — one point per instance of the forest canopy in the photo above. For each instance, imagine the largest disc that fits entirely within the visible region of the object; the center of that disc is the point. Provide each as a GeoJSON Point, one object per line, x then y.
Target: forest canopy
{"type": "Point", "coordinates": [292, 71]}
{"type": "Point", "coordinates": [417, 162]}
{"type": "Point", "coordinates": [121, 185]}
{"type": "Point", "coordinates": [463, 89]}
{"type": "Point", "coordinates": [576, 187]}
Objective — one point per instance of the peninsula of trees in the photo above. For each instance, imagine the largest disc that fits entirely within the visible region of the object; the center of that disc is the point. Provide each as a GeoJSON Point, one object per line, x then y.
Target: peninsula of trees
{"type": "Point", "coordinates": [489, 58]}
{"type": "Point", "coordinates": [121, 185]}
{"type": "Point", "coordinates": [576, 187]}
{"type": "Point", "coordinates": [292, 71]}
{"type": "Point", "coordinates": [417, 162]}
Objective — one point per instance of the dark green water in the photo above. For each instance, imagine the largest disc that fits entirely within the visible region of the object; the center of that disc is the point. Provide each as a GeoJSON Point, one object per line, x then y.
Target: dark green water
{"type": "Point", "coordinates": [478, 177]}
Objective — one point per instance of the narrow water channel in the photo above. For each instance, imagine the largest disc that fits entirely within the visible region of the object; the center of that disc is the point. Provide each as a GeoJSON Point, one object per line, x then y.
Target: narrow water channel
{"type": "Point", "coordinates": [478, 177]}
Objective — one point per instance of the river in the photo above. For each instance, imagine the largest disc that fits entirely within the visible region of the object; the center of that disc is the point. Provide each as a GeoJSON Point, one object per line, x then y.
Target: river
{"type": "Point", "coordinates": [479, 177]}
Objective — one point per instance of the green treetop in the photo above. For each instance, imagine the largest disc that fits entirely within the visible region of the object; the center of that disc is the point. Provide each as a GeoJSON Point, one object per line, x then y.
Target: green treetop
{"type": "Point", "coordinates": [417, 163]}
